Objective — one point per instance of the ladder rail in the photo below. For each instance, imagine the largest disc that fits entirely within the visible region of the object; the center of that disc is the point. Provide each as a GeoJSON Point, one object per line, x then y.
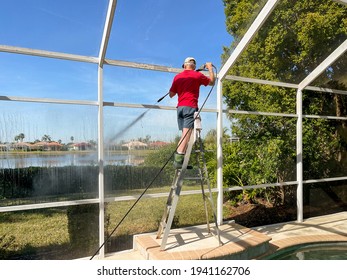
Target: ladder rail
{"type": "Point", "coordinates": [201, 175]}
{"type": "Point", "coordinates": [167, 210]}
{"type": "Point", "coordinates": [210, 198]}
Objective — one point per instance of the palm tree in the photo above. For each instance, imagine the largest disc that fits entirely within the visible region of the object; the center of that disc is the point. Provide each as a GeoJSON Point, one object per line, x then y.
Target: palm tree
{"type": "Point", "coordinates": [46, 138]}
{"type": "Point", "coordinates": [21, 136]}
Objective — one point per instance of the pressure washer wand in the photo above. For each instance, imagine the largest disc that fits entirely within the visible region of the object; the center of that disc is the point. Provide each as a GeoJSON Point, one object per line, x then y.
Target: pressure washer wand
{"type": "Point", "coordinates": [161, 98]}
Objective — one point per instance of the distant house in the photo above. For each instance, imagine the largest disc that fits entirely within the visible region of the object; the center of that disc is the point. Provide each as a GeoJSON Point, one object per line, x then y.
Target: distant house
{"type": "Point", "coordinates": [158, 144]}
{"type": "Point", "coordinates": [135, 145]}
{"type": "Point", "coordinates": [47, 146]}
{"type": "Point", "coordinates": [82, 146]}
{"type": "Point", "coordinates": [4, 147]}
{"type": "Point", "coordinates": [21, 146]}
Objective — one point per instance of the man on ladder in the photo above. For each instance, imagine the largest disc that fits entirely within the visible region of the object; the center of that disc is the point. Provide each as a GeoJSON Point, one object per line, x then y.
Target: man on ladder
{"type": "Point", "coordinates": [187, 86]}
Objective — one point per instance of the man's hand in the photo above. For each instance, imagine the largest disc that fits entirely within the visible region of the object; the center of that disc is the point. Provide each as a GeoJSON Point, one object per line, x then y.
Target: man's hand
{"type": "Point", "coordinates": [209, 66]}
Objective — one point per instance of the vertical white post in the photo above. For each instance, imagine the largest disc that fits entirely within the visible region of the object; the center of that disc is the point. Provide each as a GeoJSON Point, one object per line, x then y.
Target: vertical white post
{"type": "Point", "coordinates": [219, 152]}
{"type": "Point", "coordinates": [299, 158]}
{"type": "Point", "coordinates": [102, 52]}
{"type": "Point", "coordinates": [101, 161]}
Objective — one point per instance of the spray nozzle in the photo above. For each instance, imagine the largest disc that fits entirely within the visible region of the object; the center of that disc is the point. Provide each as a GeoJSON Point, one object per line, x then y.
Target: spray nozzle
{"type": "Point", "coordinates": [201, 68]}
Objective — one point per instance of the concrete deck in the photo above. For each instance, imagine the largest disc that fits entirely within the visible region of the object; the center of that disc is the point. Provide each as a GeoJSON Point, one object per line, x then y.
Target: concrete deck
{"type": "Point", "coordinates": [238, 242]}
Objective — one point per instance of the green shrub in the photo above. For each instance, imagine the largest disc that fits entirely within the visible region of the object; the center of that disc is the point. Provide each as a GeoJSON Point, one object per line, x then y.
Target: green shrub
{"type": "Point", "coordinates": [34, 182]}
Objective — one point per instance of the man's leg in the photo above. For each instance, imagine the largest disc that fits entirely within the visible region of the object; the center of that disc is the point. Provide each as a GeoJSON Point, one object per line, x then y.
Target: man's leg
{"type": "Point", "coordinates": [181, 149]}
{"type": "Point", "coordinates": [185, 117]}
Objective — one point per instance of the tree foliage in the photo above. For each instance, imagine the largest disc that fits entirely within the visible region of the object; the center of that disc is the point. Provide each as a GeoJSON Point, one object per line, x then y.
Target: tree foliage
{"type": "Point", "coordinates": [295, 39]}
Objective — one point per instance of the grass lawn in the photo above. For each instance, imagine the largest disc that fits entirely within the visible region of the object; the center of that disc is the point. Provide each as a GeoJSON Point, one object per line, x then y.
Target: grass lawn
{"type": "Point", "coordinates": [53, 232]}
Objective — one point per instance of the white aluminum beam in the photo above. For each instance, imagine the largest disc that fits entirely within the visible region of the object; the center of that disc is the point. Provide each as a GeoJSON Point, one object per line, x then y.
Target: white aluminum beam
{"type": "Point", "coordinates": [107, 30]}
{"type": "Point", "coordinates": [102, 53]}
{"type": "Point", "coordinates": [325, 180]}
{"type": "Point", "coordinates": [144, 66]}
{"type": "Point", "coordinates": [249, 187]}
{"type": "Point", "coordinates": [48, 100]}
{"type": "Point", "coordinates": [101, 163]}
{"type": "Point", "coordinates": [246, 39]}
{"type": "Point", "coordinates": [324, 65]}
{"type": "Point", "coordinates": [341, 1]}
{"type": "Point", "coordinates": [49, 54]}
{"type": "Point", "coordinates": [260, 81]}
{"type": "Point", "coordinates": [282, 84]}
{"type": "Point", "coordinates": [299, 157]}
{"type": "Point", "coordinates": [283, 115]}
{"type": "Point", "coordinates": [219, 152]}
{"type": "Point", "coordinates": [46, 205]}
{"type": "Point", "coordinates": [324, 117]}
{"type": "Point", "coordinates": [260, 113]}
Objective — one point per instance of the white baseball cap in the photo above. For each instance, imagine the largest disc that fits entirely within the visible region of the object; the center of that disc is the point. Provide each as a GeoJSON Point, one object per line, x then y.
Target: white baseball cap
{"type": "Point", "coordinates": [189, 60]}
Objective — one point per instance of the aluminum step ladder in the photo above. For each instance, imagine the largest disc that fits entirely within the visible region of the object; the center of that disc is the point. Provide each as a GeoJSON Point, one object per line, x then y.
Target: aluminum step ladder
{"type": "Point", "coordinates": [172, 200]}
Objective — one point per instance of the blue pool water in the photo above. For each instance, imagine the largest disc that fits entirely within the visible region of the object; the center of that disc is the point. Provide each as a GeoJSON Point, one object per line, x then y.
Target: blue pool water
{"type": "Point", "coordinates": [321, 251]}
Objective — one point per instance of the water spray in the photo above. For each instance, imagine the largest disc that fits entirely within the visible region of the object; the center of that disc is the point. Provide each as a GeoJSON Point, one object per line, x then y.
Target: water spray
{"type": "Point", "coordinates": [132, 123]}
{"type": "Point", "coordinates": [128, 126]}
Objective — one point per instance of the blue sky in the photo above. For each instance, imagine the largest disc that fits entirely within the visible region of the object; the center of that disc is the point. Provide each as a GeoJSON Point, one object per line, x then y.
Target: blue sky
{"type": "Point", "coordinates": [148, 31]}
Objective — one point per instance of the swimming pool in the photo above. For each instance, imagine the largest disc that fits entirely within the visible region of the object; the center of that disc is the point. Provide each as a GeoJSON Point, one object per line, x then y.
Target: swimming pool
{"type": "Point", "coordinates": [320, 251]}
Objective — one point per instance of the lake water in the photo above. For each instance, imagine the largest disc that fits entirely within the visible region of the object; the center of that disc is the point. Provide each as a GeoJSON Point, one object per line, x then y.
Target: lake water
{"type": "Point", "coordinates": [65, 159]}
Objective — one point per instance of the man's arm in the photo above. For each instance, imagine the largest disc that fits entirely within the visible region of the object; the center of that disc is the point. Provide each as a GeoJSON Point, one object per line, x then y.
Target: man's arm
{"type": "Point", "coordinates": [171, 94]}
{"type": "Point", "coordinates": [208, 65]}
